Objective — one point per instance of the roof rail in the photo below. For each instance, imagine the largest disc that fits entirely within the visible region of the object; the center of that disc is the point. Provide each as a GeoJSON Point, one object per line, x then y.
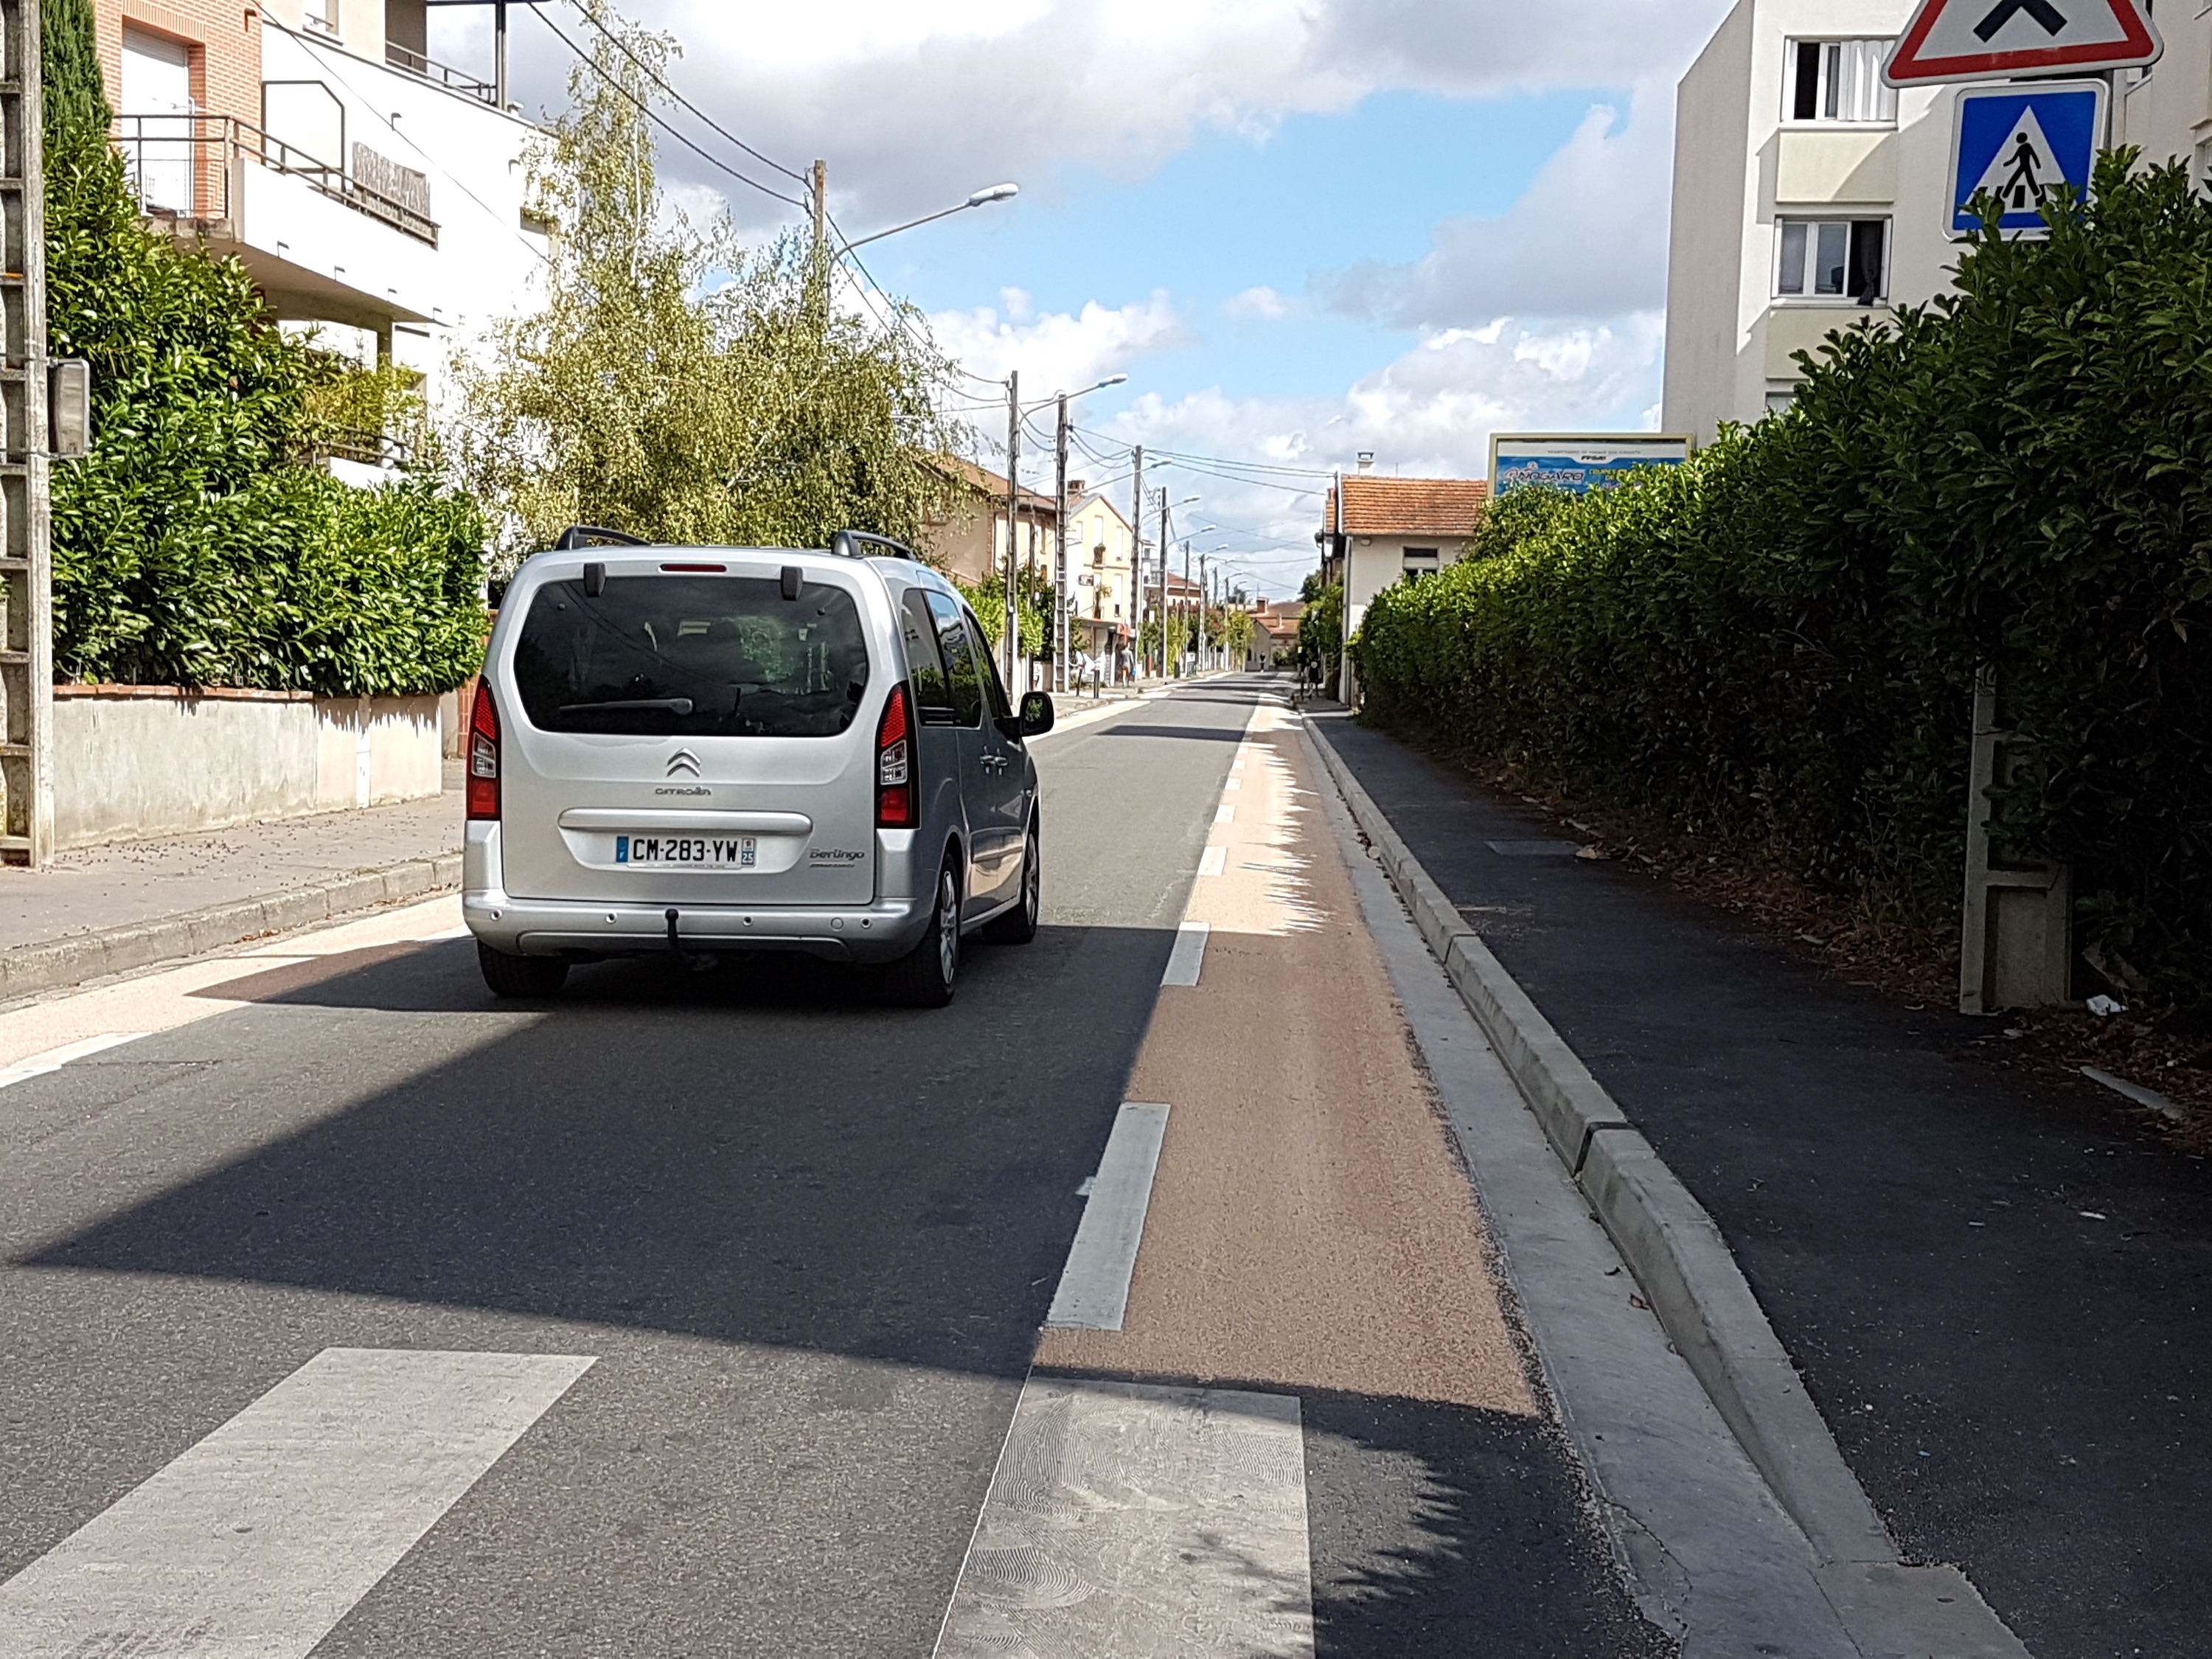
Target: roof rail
{"type": "Point", "coordinates": [847, 544]}
{"type": "Point", "coordinates": [578, 535]}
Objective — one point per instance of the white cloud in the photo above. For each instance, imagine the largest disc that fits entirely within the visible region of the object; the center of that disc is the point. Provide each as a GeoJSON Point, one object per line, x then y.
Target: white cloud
{"type": "Point", "coordinates": [1430, 413]}
{"type": "Point", "coordinates": [1058, 350]}
{"type": "Point", "coordinates": [1587, 238]}
{"type": "Point", "coordinates": [1262, 305]}
{"type": "Point", "coordinates": [917, 102]}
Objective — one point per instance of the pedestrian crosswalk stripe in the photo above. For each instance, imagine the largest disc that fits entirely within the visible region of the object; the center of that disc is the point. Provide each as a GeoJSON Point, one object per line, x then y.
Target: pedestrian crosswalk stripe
{"type": "Point", "coordinates": [1126, 1519]}
{"type": "Point", "coordinates": [1094, 1286]}
{"type": "Point", "coordinates": [258, 1540]}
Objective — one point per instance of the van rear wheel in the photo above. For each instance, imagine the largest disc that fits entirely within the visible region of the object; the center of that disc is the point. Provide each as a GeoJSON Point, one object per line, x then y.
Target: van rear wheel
{"type": "Point", "coordinates": [521, 978]}
{"type": "Point", "coordinates": [924, 976]}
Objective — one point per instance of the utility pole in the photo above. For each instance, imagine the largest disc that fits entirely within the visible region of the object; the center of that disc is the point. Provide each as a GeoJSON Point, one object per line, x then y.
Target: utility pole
{"type": "Point", "coordinates": [821, 209]}
{"type": "Point", "coordinates": [1137, 565]}
{"type": "Point", "coordinates": [1205, 644]}
{"type": "Point", "coordinates": [1186, 576]}
{"type": "Point", "coordinates": [499, 76]}
{"type": "Point", "coordinates": [1013, 516]}
{"type": "Point", "coordinates": [1060, 628]}
{"type": "Point", "coordinates": [26, 650]}
{"type": "Point", "coordinates": [1168, 668]}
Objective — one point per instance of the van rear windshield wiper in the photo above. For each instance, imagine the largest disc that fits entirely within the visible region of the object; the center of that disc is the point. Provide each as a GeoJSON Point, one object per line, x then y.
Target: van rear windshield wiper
{"type": "Point", "coordinates": [677, 705]}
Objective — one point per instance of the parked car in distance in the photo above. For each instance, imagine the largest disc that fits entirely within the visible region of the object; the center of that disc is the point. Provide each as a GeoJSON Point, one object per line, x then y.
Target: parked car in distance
{"type": "Point", "coordinates": [712, 752]}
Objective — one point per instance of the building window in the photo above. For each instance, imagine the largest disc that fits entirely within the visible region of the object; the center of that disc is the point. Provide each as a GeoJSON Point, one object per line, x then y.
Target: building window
{"type": "Point", "coordinates": [1834, 258]}
{"type": "Point", "coordinates": [1422, 562]}
{"type": "Point", "coordinates": [1838, 81]}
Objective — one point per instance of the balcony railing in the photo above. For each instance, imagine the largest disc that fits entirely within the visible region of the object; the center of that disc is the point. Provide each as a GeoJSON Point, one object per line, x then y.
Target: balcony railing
{"type": "Point", "coordinates": [193, 167]}
{"type": "Point", "coordinates": [430, 69]}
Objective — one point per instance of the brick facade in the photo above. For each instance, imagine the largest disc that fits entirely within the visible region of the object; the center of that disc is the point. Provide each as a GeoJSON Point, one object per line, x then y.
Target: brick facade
{"type": "Point", "coordinates": [224, 37]}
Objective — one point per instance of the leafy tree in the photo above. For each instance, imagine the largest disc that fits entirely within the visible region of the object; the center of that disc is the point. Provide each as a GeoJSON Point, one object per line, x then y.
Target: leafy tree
{"type": "Point", "coordinates": [1033, 603]}
{"type": "Point", "coordinates": [680, 388]}
{"type": "Point", "coordinates": [1321, 631]}
{"type": "Point", "coordinates": [1237, 634]}
{"type": "Point", "coordinates": [189, 547]}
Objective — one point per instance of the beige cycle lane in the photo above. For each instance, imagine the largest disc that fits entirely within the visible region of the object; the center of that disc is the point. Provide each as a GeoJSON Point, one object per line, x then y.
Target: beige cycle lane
{"type": "Point", "coordinates": [1305, 1228]}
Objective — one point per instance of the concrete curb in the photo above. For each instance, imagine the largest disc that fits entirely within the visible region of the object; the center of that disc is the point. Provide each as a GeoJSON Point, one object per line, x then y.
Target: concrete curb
{"type": "Point", "coordinates": [30, 968]}
{"type": "Point", "coordinates": [1698, 1292]}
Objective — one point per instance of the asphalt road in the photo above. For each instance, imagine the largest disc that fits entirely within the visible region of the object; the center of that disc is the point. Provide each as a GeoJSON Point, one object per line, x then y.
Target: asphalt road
{"type": "Point", "coordinates": [805, 1242]}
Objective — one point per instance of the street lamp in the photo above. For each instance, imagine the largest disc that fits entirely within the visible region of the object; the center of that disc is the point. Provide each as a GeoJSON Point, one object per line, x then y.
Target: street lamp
{"type": "Point", "coordinates": [982, 197]}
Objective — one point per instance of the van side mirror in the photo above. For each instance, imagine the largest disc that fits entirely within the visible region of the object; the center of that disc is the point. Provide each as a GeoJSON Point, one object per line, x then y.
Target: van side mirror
{"type": "Point", "coordinates": [1037, 717]}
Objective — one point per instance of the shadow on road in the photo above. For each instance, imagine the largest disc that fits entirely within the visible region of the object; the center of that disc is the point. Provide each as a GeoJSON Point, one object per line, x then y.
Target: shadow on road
{"type": "Point", "coordinates": [766, 1156]}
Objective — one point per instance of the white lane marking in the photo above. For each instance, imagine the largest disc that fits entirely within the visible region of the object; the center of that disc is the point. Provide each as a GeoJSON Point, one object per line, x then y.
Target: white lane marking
{"type": "Point", "coordinates": [1094, 1286]}
{"type": "Point", "coordinates": [1233, 781]}
{"type": "Point", "coordinates": [1142, 1522]}
{"type": "Point", "coordinates": [1188, 961]}
{"type": "Point", "coordinates": [1227, 814]}
{"type": "Point", "coordinates": [1215, 862]}
{"type": "Point", "coordinates": [254, 1543]}
{"type": "Point", "coordinates": [54, 1058]}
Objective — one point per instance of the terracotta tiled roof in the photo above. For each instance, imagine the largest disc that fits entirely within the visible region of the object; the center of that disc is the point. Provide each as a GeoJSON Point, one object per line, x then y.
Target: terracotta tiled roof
{"type": "Point", "coordinates": [984, 481]}
{"type": "Point", "coordinates": [1408, 507]}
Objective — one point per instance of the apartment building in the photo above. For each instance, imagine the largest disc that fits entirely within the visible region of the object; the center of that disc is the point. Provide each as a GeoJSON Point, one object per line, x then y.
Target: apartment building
{"type": "Point", "coordinates": [1101, 574]}
{"type": "Point", "coordinates": [1807, 194]}
{"type": "Point", "coordinates": [366, 188]}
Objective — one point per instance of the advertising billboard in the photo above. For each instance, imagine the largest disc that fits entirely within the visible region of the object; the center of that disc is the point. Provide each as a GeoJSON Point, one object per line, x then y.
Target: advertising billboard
{"type": "Point", "coordinates": [1578, 462]}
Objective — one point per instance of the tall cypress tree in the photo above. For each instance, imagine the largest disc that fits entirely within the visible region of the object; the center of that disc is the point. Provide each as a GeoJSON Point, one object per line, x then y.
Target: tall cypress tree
{"type": "Point", "coordinates": [76, 112]}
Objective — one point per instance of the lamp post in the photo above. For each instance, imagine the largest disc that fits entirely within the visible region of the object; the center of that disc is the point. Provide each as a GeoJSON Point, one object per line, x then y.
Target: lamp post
{"type": "Point", "coordinates": [982, 197]}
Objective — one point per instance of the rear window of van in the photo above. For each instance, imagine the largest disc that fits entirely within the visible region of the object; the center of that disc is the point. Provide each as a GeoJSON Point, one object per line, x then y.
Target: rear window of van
{"type": "Point", "coordinates": [692, 656]}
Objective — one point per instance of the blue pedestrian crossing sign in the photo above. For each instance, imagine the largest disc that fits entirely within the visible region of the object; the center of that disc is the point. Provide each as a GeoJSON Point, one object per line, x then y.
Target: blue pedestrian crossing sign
{"type": "Point", "coordinates": [2020, 143]}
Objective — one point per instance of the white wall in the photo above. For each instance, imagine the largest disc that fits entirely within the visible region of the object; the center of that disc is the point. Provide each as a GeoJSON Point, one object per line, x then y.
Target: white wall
{"type": "Point", "coordinates": [486, 266]}
{"type": "Point", "coordinates": [1739, 169]}
{"type": "Point", "coordinates": [135, 763]}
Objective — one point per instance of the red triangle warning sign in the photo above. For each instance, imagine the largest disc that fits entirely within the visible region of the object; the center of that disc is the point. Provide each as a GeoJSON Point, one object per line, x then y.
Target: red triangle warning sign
{"type": "Point", "coordinates": [1985, 40]}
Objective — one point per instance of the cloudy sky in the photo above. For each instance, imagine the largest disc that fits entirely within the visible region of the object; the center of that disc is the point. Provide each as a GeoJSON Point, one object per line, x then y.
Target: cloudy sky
{"type": "Point", "coordinates": [1302, 228]}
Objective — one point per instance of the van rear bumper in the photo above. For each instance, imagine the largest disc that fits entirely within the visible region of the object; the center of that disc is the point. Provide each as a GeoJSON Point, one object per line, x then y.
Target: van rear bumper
{"type": "Point", "coordinates": [881, 932]}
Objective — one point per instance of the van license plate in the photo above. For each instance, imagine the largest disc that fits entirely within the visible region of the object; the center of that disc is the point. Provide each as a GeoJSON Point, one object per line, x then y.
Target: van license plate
{"type": "Point", "coordinates": [687, 852]}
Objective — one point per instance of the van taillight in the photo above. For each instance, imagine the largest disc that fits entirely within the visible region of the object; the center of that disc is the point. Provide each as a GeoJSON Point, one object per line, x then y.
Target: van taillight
{"type": "Point", "coordinates": [483, 756]}
{"type": "Point", "coordinates": [895, 764]}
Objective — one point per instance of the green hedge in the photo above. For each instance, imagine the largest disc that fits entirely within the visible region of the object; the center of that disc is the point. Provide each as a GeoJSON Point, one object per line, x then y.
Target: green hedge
{"type": "Point", "coordinates": [1775, 647]}
{"type": "Point", "coordinates": [191, 548]}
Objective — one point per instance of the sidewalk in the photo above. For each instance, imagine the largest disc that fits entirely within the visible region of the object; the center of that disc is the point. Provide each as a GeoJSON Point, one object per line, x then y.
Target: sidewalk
{"type": "Point", "coordinates": [105, 909]}
{"type": "Point", "coordinates": [2000, 1296]}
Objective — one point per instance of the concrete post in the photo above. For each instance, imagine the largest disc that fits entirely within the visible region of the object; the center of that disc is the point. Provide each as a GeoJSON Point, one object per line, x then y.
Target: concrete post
{"type": "Point", "coordinates": [2017, 947]}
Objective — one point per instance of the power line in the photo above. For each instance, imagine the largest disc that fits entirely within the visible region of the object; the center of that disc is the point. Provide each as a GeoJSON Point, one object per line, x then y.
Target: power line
{"type": "Point", "coordinates": [647, 110]}
{"type": "Point", "coordinates": [622, 46]}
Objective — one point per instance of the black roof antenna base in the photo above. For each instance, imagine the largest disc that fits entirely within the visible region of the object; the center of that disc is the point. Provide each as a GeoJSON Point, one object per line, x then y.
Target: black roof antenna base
{"type": "Point", "coordinates": [577, 536]}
